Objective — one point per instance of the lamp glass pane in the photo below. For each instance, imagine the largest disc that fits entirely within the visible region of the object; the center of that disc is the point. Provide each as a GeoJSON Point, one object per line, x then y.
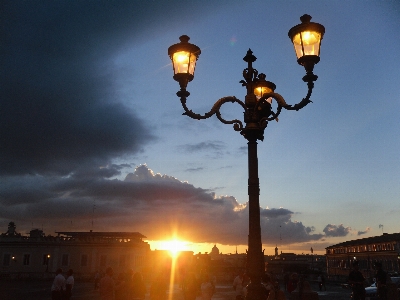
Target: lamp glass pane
{"type": "Point", "coordinates": [184, 62]}
{"type": "Point", "coordinates": [192, 65]}
{"type": "Point", "coordinates": [181, 61]}
{"type": "Point", "coordinates": [260, 91]}
{"type": "Point", "coordinates": [307, 40]}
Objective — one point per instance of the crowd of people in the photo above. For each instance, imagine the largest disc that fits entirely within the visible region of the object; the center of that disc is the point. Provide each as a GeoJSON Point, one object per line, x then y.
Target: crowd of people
{"type": "Point", "coordinates": [61, 288]}
{"type": "Point", "coordinates": [131, 285]}
{"type": "Point", "coordinates": [357, 282]}
{"type": "Point", "coordinates": [128, 285]}
{"type": "Point", "coordinates": [202, 285]}
{"type": "Point", "coordinates": [270, 286]}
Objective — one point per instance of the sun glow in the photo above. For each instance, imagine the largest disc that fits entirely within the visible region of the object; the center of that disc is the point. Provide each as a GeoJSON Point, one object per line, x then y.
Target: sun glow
{"type": "Point", "coordinates": [174, 246]}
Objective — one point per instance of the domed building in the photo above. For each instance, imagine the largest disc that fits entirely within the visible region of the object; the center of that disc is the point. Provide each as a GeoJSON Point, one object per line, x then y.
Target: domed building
{"type": "Point", "coordinates": [214, 253]}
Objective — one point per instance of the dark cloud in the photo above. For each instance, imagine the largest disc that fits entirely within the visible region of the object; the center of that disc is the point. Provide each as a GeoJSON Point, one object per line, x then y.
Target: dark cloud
{"type": "Point", "coordinates": [278, 224]}
{"type": "Point", "coordinates": [336, 231]}
{"type": "Point", "coordinates": [368, 229]}
{"type": "Point", "coordinates": [59, 110]}
{"type": "Point", "coordinates": [59, 105]}
{"type": "Point", "coordinates": [276, 212]}
{"type": "Point", "coordinates": [204, 146]}
{"type": "Point", "coordinates": [153, 204]}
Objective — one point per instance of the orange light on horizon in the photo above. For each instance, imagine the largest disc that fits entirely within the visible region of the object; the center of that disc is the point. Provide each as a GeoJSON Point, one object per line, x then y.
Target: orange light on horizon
{"type": "Point", "coordinates": [174, 246]}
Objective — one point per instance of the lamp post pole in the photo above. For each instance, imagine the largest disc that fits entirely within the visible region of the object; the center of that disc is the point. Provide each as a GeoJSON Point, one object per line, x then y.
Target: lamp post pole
{"type": "Point", "coordinates": [255, 255]}
{"type": "Point", "coordinates": [258, 111]}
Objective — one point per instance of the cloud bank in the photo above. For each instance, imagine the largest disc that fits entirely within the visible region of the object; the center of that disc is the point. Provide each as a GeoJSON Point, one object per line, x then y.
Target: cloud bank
{"type": "Point", "coordinates": [336, 230]}
{"type": "Point", "coordinates": [153, 204]}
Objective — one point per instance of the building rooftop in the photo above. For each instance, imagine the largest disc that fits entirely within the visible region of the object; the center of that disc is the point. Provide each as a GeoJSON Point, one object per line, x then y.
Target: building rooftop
{"type": "Point", "coordinates": [370, 240]}
{"type": "Point", "coordinates": [113, 235]}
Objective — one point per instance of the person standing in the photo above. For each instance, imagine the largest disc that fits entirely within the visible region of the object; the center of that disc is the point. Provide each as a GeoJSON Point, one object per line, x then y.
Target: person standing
{"type": "Point", "coordinates": [69, 284]}
{"type": "Point", "coordinates": [107, 285]}
{"type": "Point", "coordinates": [268, 287]}
{"type": "Point", "coordinates": [207, 287]}
{"type": "Point", "coordinates": [286, 281]}
{"type": "Point", "coordinates": [293, 281]}
{"type": "Point", "coordinates": [58, 287]}
{"type": "Point", "coordinates": [323, 282]}
{"type": "Point", "coordinates": [138, 287]}
{"type": "Point", "coordinates": [278, 293]}
{"type": "Point", "coordinates": [159, 286]}
{"type": "Point", "coordinates": [96, 280]}
{"type": "Point", "coordinates": [356, 280]}
{"type": "Point", "coordinates": [191, 286]}
{"type": "Point", "coordinates": [120, 291]}
{"type": "Point", "coordinates": [319, 279]}
{"type": "Point", "coordinates": [238, 286]}
{"type": "Point", "coordinates": [381, 277]}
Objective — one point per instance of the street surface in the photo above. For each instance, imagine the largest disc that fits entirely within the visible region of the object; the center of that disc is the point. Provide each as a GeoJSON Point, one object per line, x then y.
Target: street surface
{"type": "Point", "coordinates": [40, 290]}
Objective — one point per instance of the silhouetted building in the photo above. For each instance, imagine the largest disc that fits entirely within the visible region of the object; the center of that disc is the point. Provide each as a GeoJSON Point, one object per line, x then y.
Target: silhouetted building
{"type": "Point", "coordinates": [215, 253]}
{"type": "Point", "coordinates": [294, 263]}
{"type": "Point", "coordinates": [38, 255]}
{"type": "Point", "coordinates": [367, 251]}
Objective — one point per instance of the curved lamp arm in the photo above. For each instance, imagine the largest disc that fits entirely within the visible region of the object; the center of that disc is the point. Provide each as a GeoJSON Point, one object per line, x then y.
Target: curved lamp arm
{"type": "Point", "coordinates": [237, 124]}
{"type": "Point", "coordinates": [281, 104]}
{"type": "Point", "coordinates": [304, 101]}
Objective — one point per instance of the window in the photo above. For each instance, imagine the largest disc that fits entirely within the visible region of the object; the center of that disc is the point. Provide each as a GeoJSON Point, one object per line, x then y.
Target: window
{"type": "Point", "coordinates": [64, 261]}
{"type": "Point", "coordinates": [103, 260]}
{"type": "Point", "coordinates": [26, 259]}
{"type": "Point", "coordinates": [84, 260]}
{"type": "Point", "coordinates": [6, 259]}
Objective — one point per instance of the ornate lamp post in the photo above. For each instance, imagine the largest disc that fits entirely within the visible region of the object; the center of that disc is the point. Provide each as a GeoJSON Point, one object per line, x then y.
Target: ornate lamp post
{"type": "Point", "coordinates": [306, 38]}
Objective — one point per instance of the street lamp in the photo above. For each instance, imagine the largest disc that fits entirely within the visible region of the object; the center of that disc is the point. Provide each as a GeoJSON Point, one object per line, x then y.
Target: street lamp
{"type": "Point", "coordinates": [306, 38]}
{"type": "Point", "coordinates": [47, 262]}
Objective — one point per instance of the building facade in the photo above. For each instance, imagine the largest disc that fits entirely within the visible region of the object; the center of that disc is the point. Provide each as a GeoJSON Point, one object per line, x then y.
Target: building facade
{"type": "Point", "coordinates": [86, 253]}
{"type": "Point", "coordinates": [384, 249]}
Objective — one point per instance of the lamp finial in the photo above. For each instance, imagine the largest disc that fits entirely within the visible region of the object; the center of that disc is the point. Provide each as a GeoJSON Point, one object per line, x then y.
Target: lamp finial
{"type": "Point", "coordinates": [184, 38]}
{"type": "Point", "coordinates": [305, 18]}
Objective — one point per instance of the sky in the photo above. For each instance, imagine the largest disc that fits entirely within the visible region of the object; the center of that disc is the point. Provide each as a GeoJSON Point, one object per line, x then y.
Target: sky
{"type": "Point", "coordinates": [92, 135]}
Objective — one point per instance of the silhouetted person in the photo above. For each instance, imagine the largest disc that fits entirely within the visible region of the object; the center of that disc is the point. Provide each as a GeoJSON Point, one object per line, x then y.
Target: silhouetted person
{"type": "Point", "coordinates": [381, 277]}
{"type": "Point", "coordinates": [190, 286]}
{"type": "Point", "coordinates": [138, 290]}
{"type": "Point", "coordinates": [69, 284]}
{"type": "Point", "coordinates": [158, 290]}
{"type": "Point", "coordinates": [286, 280]}
{"type": "Point", "coordinates": [278, 293]}
{"type": "Point", "coordinates": [268, 286]}
{"type": "Point", "coordinates": [96, 280]}
{"type": "Point", "coordinates": [319, 279]}
{"type": "Point", "coordinates": [207, 287]}
{"type": "Point", "coordinates": [238, 285]}
{"type": "Point", "coordinates": [107, 285]}
{"type": "Point", "coordinates": [356, 280]}
{"type": "Point", "coordinates": [323, 282]}
{"type": "Point", "coordinates": [293, 281]}
{"type": "Point", "coordinates": [120, 291]}
{"type": "Point", "coordinates": [58, 287]}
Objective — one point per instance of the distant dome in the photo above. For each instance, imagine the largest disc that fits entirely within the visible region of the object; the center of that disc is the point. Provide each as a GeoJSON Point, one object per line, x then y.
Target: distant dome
{"type": "Point", "coordinates": [215, 250]}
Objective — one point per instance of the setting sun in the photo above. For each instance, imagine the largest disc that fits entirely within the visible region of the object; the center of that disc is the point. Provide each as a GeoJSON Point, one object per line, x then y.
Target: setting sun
{"type": "Point", "coordinates": [174, 246]}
